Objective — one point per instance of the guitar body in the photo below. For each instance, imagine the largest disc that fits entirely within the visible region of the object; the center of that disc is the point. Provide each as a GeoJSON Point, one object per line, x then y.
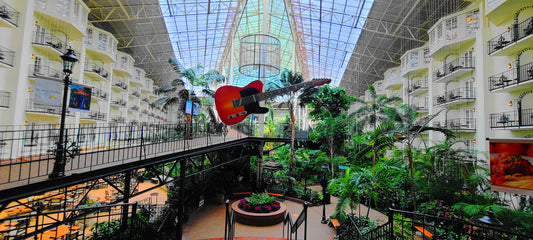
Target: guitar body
{"type": "Point", "coordinates": [225, 95]}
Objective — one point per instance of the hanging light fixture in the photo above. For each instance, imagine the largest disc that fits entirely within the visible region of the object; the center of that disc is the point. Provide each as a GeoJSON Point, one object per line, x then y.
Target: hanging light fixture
{"type": "Point", "coordinates": [508, 29]}
{"type": "Point", "coordinates": [473, 79]}
{"type": "Point", "coordinates": [471, 49]}
{"type": "Point", "coordinates": [473, 109]}
{"type": "Point", "coordinates": [25, 122]}
{"type": "Point", "coordinates": [474, 140]}
{"type": "Point", "coordinates": [510, 103]}
{"type": "Point", "coordinates": [510, 65]}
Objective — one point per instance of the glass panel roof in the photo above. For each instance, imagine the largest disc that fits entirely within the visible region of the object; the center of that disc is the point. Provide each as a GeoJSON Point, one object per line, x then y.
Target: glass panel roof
{"type": "Point", "coordinates": [324, 32]}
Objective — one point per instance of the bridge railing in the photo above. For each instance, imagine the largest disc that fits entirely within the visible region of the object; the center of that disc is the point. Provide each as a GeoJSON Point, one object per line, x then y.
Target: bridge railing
{"type": "Point", "coordinates": [27, 152]}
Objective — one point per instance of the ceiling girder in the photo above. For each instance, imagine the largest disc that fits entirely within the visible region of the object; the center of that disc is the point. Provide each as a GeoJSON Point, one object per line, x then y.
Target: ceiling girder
{"type": "Point", "coordinates": [380, 26]}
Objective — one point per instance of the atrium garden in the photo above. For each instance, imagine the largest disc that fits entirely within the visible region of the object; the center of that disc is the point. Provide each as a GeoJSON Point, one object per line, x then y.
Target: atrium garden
{"type": "Point", "coordinates": [266, 119]}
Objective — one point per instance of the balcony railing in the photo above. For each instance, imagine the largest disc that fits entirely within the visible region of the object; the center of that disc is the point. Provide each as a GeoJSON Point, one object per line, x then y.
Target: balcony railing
{"type": "Point", "coordinates": [136, 94]}
{"type": "Point", "coordinates": [421, 84]}
{"type": "Point", "coordinates": [34, 107]}
{"type": "Point", "coordinates": [455, 66]}
{"type": "Point", "coordinates": [98, 69]}
{"type": "Point", "coordinates": [458, 124]}
{"type": "Point", "coordinates": [5, 99]}
{"type": "Point", "coordinates": [46, 71]}
{"type": "Point", "coordinates": [454, 95]}
{"type": "Point", "coordinates": [48, 39]}
{"type": "Point", "coordinates": [134, 108]}
{"type": "Point", "coordinates": [514, 118]}
{"type": "Point", "coordinates": [511, 77]}
{"type": "Point", "coordinates": [121, 84]}
{"type": "Point", "coordinates": [9, 14]}
{"type": "Point", "coordinates": [119, 101]}
{"type": "Point", "coordinates": [99, 93]}
{"type": "Point", "coordinates": [515, 34]}
{"type": "Point", "coordinates": [7, 56]}
{"type": "Point", "coordinates": [94, 116]}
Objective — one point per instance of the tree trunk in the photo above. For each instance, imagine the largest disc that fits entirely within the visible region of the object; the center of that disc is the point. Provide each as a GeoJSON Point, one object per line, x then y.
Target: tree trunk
{"type": "Point", "coordinates": [411, 169]}
{"type": "Point", "coordinates": [291, 162]}
{"type": "Point", "coordinates": [331, 157]}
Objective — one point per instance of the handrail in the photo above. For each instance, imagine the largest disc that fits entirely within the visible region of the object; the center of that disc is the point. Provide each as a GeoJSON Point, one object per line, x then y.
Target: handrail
{"type": "Point", "coordinates": [292, 227]}
{"type": "Point", "coordinates": [229, 229]}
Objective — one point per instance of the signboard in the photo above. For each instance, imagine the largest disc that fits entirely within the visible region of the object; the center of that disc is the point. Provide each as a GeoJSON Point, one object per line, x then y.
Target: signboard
{"type": "Point", "coordinates": [195, 107]}
{"type": "Point", "coordinates": [191, 108]}
{"type": "Point", "coordinates": [511, 165]}
{"type": "Point", "coordinates": [188, 107]}
{"type": "Point", "coordinates": [80, 98]}
{"type": "Point", "coordinates": [48, 93]}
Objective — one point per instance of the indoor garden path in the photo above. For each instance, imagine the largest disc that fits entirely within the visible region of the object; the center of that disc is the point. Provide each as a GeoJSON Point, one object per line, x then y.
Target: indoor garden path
{"type": "Point", "coordinates": [208, 222]}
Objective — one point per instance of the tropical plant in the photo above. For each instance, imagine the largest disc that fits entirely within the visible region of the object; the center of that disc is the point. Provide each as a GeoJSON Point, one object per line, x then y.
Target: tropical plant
{"type": "Point", "coordinates": [372, 113]}
{"type": "Point", "coordinates": [197, 81]}
{"type": "Point", "coordinates": [409, 129]}
{"type": "Point", "coordinates": [380, 139]}
{"type": "Point", "coordinates": [289, 78]}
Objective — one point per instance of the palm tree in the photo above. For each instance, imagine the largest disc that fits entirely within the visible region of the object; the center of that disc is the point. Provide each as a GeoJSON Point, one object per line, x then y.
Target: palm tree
{"type": "Point", "coordinates": [409, 129]}
{"type": "Point", "coordinates": [197, 81]}
{"type": "Point", "coordinates": [379, 139]}
{"type": "Point", "coordinates": [372, 112]}
{"type": "Point", "coordinates": [289, 78]}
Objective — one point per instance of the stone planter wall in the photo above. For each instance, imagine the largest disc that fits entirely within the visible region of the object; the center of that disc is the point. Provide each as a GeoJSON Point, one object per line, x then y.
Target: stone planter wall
{"type": "Point", "coordinates": [258, 219]}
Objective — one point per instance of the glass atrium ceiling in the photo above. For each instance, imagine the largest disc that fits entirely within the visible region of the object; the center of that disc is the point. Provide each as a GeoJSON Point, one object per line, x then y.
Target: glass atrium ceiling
{"type": "Point", "coordinates": [317, 37]}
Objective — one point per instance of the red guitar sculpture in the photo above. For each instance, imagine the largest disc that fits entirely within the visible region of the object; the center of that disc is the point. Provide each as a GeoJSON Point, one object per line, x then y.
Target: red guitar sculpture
{"type": "Point", "coordinates": [235, 103]}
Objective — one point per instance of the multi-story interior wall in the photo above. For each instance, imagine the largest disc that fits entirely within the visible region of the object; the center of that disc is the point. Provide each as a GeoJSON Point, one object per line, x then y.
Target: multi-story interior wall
{"type": "Point", "coordinates": [475, 71]}
{"type": "Point", "coordinates": [34, 36]}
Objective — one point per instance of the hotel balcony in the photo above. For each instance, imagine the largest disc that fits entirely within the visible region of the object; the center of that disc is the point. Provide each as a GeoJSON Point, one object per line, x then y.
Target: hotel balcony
{"type": "Point", "coordinates": [420, 107]}
{"type": "Point", "coordinates": [380, 89]}
{"type": "Point", "coordinates": [49, 43]}
{"type": "Point", "coordinates": [120, 85]}
{"type": "Point", "coordinates": [418, 86]}
{"type": "Point", "coordinates": [7, 57]}
{"type": "Point", "coordinates": [454, 97]}
{"type": "Point", "coordinates": [73, 22]}
{"type": "Point", "coordinates": [33, 107]}
{"type": "Point", "coordinates": [124, 64]}
{"type": "Point", "coordinates": [97, 71]}
{"type": "Point", "coordinates": [5, 99]}
{"type": "Point", "coordinates": [136, 94]}
{"type": "Point", "coordinates": [454, 69]}
{"type": "Point", "coordinates": [99, 94]}
{"type": "Point", "coordinates": [498, 11]}
{"type": "Point", "coordinates": [42, 71]}
{"type": "Point", "coordinates": [94, 115]}
{"type": "Point", "coordinates": [101, 44]}
{"type": "Point", "coordinates": [458, 124]}
{"type": "Point", "coordinates": [134, 108]}
{"type": "Point", "coordinates": [9, 17]}
{"type": "Point", "coordinates": [512, 79]}
{"type": "Point", "coordinates": [512, 41]}
{"type": "Point", "coordinates": [512, 119]}
{"type": "Point", "coordinates": [117, 119]}
{"type": "Point", "coordinates": [146, 100]}
{"type": "Point", "coordinates": [118, 102]}
{"type": "Point", "coordinates": [415, 61]}
{"type": "Point", "coordinates": [448, 32]}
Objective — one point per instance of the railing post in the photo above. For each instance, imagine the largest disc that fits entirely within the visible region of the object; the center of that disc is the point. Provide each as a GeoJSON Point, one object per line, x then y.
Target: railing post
{"type": "Point", "coordinates": [306, 204]}
{"type": "Point", "coordinates": [390, 217]}
{"type": "Point", "coordinates": [226, 221]}
{"type": "Point", "coordinates": [127, 191]}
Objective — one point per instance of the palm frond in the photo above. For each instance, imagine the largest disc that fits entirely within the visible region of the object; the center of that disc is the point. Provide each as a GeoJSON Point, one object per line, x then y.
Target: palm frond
{"type": "Point", "coordinates": [161, 90]}
{"type": "Point", "coordinates": [177, 82]}
{"type": "Point", "coordinates": [169, 102]}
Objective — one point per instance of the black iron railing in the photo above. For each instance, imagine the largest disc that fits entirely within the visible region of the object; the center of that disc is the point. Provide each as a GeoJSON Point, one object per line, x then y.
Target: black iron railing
{"type": "Point", "coordinates": [511, 77]}
{"type": "Point", "coordinates": [7, 56]}
{"type": "Point", "coordinates": [99, 93]}
{"type": "Point", "coordinates": [229, 229]}
{"type": "Point", "coordinates": [98, 69]}
{"type": "Point", "coordinates": [45, 38]}
{"type": "Point", "coordinates": [5, 99]}
{"type": "Point", "coordinates": [453, 66]}
{"type": "Point", "coordinates": [102, 222]}
{"type": "Point", "coordinates": [94, 115]}
{"type": "Point", "coordinates": [454, 95]}
{"type": "Point", "coordinates": [524, 118]}
{"type": "Point", "coordinates": [46, 71]}
{"type": "Point", "coordinates": [26, 153]}
{"type": "Point", "coordinates": [420, 84]}
{"type": "Point", "coordinates": [410, 225]}
{"type": "Point", "coordinates": [513, 34]}
{"type": "Point", "coordinates": [9, 14]}
{"type": "Point", "coordinates": [292, 227]}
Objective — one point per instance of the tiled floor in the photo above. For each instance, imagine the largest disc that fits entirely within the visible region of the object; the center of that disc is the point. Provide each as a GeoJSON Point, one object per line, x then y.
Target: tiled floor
{"type": "Point", "coordinates": [208, 223]}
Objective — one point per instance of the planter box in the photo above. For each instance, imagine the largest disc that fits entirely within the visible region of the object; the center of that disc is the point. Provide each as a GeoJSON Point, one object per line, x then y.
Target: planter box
{"type": "Point", "coordinates": [259, 219]}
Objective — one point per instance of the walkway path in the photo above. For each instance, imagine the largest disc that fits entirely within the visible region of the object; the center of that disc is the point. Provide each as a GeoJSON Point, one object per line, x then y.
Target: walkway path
{"type": "Point", "coordinates": [208, 223]}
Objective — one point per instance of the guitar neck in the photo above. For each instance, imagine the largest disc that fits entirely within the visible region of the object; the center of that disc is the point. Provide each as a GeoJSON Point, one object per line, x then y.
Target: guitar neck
{"type": "Point", "coordinates": [266, 95]}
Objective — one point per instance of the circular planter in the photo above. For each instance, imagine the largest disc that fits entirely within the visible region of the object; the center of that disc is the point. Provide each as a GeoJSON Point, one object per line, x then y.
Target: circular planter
{"type": "Point", "coordinates": [259, 219]}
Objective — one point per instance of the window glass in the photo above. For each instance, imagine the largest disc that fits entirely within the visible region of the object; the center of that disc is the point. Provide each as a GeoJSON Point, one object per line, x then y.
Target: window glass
{"type": "Point", "coordinates": [414, 59]}
{"type": "Point", "coordinates": [451, 28]}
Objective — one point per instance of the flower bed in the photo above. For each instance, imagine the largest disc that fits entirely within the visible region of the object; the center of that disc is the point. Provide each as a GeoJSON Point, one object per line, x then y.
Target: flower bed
{"type": "Point", "coordinates": [259, 210]}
